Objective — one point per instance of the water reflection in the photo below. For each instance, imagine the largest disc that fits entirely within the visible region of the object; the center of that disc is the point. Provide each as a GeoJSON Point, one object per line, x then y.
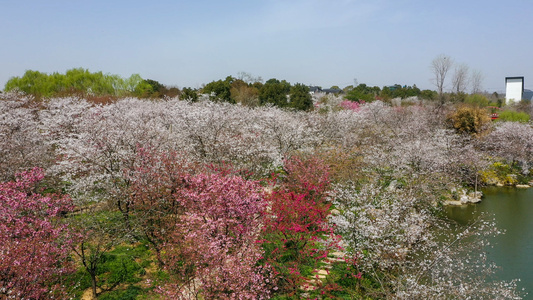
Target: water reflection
{"type": "Point", "coordinates": [512, 210]}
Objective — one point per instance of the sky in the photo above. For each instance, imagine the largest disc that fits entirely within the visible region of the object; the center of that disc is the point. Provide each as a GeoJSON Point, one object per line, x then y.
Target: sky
{"type": "Point", "coordinates": [314, 42]}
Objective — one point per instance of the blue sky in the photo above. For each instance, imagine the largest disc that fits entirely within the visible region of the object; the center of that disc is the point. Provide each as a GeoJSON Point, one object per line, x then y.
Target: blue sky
{"type": "Point", "coordinates": [315, 42]}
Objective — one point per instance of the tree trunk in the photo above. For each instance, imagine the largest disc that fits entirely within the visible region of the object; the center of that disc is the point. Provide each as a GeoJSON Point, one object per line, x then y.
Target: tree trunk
{"type": "Point", "coordinates": [93, 285]}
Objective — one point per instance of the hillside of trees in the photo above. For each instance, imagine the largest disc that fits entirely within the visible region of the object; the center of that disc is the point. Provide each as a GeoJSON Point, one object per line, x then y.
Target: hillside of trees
{"type": "Point", "coordinates": [249, 190]}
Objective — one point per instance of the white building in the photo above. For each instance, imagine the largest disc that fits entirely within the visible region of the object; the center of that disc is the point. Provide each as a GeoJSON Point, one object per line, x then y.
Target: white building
{"type": "Point", "coordinates": [514, 89]}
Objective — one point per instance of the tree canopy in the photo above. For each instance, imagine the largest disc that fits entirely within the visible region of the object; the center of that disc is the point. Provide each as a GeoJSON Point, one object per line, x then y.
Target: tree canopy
{"type": "Point", "coordinates": [220, 90]}
{"type": "Point", "coordinates": [299, 97]}
{"type": "Point", "coordinates": [274, 92]}
{"type": "Point", "coordinates": [79, 81]}
{"type": "Point", "coordinates": [363, 92]}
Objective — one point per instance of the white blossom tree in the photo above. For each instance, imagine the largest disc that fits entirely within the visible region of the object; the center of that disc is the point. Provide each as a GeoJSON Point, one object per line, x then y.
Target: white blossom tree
{"type": "Point", "coordinates": [402, 246]}
{"type": "Point", "coordinates": [22, 145]}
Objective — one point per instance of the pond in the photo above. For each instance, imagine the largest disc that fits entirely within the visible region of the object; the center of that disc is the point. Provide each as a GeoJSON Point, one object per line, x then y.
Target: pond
{"type": "Point", "coordinates": [512, 210]}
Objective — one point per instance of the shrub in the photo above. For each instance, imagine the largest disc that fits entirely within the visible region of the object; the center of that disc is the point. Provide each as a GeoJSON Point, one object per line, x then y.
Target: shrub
{"type": "Point", "coordinates": [469, 119]}
{"type": "Point", "coordinates": [513, 116]}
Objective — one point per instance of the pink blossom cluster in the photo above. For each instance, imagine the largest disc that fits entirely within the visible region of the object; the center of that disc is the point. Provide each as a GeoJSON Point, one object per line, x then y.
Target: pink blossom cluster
{"type": "Point", "coordinates": [35, 244]}
{"type": "Point", "coordinates": [351, 105]}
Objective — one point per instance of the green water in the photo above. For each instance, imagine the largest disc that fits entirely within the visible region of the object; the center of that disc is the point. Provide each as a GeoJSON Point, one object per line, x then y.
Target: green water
{"type": "Point", "coordinates": [512, 210]}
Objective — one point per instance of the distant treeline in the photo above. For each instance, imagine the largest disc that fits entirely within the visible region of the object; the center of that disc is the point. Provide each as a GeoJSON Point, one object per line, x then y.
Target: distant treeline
{"type": "Point", "coordinates": [242, 89]}
{"type": "Point", "coordinates": [79, 81]}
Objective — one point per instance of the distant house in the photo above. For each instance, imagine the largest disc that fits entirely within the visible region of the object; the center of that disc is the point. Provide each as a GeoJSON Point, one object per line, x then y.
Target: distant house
{"type": "Point", "coordinates": [332, 91]}
{"type": "Point", "coordinates": [316, 89]}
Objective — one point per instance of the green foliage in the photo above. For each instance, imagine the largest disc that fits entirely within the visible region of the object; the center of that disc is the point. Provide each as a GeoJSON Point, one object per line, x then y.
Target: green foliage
{"type": "Point", "coordinates": [138, 87]}
{"type": "Point", "coordinates": [32, 83]}
{"type": "Point", "coordinates": [153, 89]}
{"type": "Point", "coordinates": [189, 94]}
{"type": "Point", "coordinates": [299, 97]}
{"type": "Point", "coordinates": [123, 265]}
{"type": "Point", "coordinates": [513, 116]}
{"type": "Point", "coordinates": [130, 293]}
{"type": "Point", "coordinates": [220, 90]}
{"type": "Point", "coordinates": [506, 174]}
{"type": "Point", "coordinates": [363, 92]}
{"type": "Point", "coordinates": [352, 284]}
{"type": "Point", "coordinates": [477, 100]}
{"type": "Point", "coordinates": [78, 81]}
{"type": "Point", "coordinates": [458, 97]}
{"type": "Point", "coordinates": [274, 92]}
{"type": "Point", "coordinates": [498, 173]}
{"type": "Point", "coordinates": [156, 87]}
{"type": "Point", "coordinates": [429, 95]}
{"type": "Point", "coordinates": [398, 91]}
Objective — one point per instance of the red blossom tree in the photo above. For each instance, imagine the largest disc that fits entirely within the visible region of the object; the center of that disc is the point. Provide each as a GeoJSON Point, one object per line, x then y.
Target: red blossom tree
{"type": "Point", "coordinates": [35, 244]}
{"type": "Point", "coordinates": [296, 231]}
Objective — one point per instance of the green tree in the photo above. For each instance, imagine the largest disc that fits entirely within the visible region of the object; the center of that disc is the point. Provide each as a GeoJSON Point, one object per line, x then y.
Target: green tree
{"type": "Point", "coordinates": [32, 83]}
{"type": "Point", "coordinates": [398, 91]}
{"type": "Point", "coordinates": [348, 88]}
{"type": "Point", "coordinates": [299, 97]}
{"type": "Point", "coordinates": [137, 86]}
{"type": "Point", "coordinates": [428, 94]}
{"type": "Point", "coordinates": [189, 94]}
{"type": "Point", "coordinates": [363, 92]}
{"type": "Point", "coordinates": [477, 100]}
{"type": "Point", "coordinates": [274, 92]}
{"type": "Point", "coordinates": [220, 90]}
{"type": "Point", "coordinates": [78, 81]}
{"type": "Point", "coordinates": [457, 97]}
{"type": "Point", "coordinates": [157, 90]}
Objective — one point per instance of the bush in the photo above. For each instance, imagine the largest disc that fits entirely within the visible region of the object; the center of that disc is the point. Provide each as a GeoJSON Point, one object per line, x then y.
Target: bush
{"type": "Point", "coordinates": [469, 119]}
{"type": "Point", "coordinates": [501, 173]}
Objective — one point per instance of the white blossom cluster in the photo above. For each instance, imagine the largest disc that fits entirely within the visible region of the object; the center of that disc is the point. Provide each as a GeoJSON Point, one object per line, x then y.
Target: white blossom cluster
{"type": "Point", "coordinates": [413, 254]}
{"type": "Point", "coordinates": [94, 144]}
{"type": "Point", "coordinates": [513, 142]}
{"type": "Point", "coordinates": [22, 145]}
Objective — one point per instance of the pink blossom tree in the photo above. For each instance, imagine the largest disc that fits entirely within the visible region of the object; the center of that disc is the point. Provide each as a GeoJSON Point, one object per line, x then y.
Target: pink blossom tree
{"type": "Point", "coordinates": [203, 224]}
{"type": "Point", "coordinates": [212, 247]}
{"type": "Point", "coordinates": [35, 243]}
